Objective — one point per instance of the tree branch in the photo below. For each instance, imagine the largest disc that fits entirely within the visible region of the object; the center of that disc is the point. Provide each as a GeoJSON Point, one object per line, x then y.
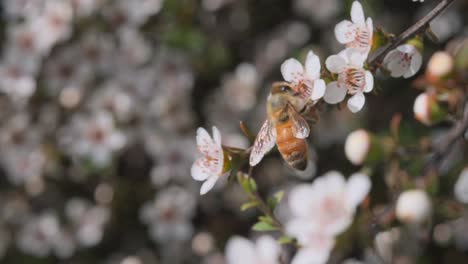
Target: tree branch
{"type": "Point", "coordinates": [420, 26]}
{"type": "Point", "coordinates": [447, 143]}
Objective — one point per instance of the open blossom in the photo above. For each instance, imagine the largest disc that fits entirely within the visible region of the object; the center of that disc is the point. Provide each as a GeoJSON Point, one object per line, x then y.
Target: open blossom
{"type": "Point", "coordinates": [208, 168]}
{"type": "Point", "coordinates": [241, 250]}
{"type": "Point", "coordinates": [353, 79]}
{"type": "Point", "coordinates": [94, 137]}
{"type": "Point", "coordinates": [307, 81]}
{"type": "Point", "coordinates": [356, 33]}
{"type": "Point", "coordinates": [323, 210]}
{"type": "Point", "coordinates": [404, 61]}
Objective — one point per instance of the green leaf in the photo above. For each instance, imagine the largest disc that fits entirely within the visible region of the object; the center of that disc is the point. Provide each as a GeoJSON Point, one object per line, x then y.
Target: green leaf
{"type": "Point", "coordinates": [248, 205]}
{"type": "Point", "coordinates": [244, 182]}
{"type": "Point", "coordinates": [253, 185]}
{"type": "Point", "coordinates": [263, 226]}
{"type": "Point", "coordinates": [266, 219]}
{"type": "Point", "coordinates": [275, 199]}
{"type": "Point", "coordinates": [285, 240]}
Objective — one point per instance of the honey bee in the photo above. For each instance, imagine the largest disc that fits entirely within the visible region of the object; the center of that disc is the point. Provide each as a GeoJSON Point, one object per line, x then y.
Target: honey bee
{"type": "Point", "coordinates": [286, 126]}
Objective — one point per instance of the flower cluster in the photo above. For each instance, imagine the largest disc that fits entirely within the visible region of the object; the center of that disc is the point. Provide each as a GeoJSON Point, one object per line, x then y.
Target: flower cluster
{"type": "Point", "coordinates": [323, 210]}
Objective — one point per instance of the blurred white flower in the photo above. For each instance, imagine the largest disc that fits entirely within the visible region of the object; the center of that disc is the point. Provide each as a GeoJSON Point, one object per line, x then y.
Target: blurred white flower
{"type": "Point", "coordinates": [134, 49]}
{"type": "Point", "coordinates": [53, 24]}
{"type": "Point", "coordinates": [413, 207]}
{"type": "Point", "coordinates": [320, 11]}
{"type": "Point", "coordinates": [208, 168]}
{"type": "Point", "coordinates": [94, 137]}
{"type": "Point", "coordinates": [241, 87]}
{"type": "Point", "coordinates": [385, 242]}
{"type": "Point", "coordinates": [135, 12]}
{"type": "Point", "coordinates": [328, 203]}
{"type": "Point", "coordinates": [440, 65]}
{"type": "Point", "coordinates": [323, 210]}
{"type": "Point", "coordinates": [404, 61]}
{"type": "Point", "coordinates": [356, 33]}
{"type": "Point", "coordinates": [357, 146]}
{"type": "Point", "coordinates": [17, 83]}
{"type": "Point", "coordinates": [88, 221]}
{"type": "Point", "coordinates": [461, 186]}
{"type": "Point", "coordinates": [352, 79]}
{"type": "Point", "coordinates": [427, 110]}
{"type": "Point", "coordinates": [113, 98]}
{"type": "Point", "coordinates": [42, 235]}
{"type": "Point", "coordinates": [84, 8]}
{"type": "Point", "coordinates": [169, 215]}
{"type": "Point", "coordinates": [306, 81]}
{"type": "Point", "coordinates": [240, 250]}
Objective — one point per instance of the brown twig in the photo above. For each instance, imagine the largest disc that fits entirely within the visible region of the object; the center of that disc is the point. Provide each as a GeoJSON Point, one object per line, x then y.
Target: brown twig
{"type": "Point", "coordinates": [446, 144]}
{"type": "Point", "coordinates": [415, 29]}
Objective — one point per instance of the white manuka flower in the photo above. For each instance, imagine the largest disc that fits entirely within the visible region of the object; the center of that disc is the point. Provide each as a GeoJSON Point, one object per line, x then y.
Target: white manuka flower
{"type": "Point", "coordinates": [352, 79]}
{"type": "Point", "coordinates": [356, 33]}
{"type": "Point", "coordinates": [241, 250]}
{"type": "Point", "coordinates": [461, 187]}
{"type": "Point", "coordinates": [323, 210]}
{"type": "Point", "coordinates": [405, 60]}
{"type": "Point", "coordinates": [307, 81]}
{"type": "Point", "coordinates": [209, 167]}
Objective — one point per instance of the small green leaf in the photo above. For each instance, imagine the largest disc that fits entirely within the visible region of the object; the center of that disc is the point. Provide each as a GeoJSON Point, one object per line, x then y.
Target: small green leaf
{"type": "Point", "coordinates": [253, 185]}
{"type": "Point", "coordinates": [266, 219]}
{"type": "Point", "coordinates": [262, 226]}
{"type": "Point", "coordinates": [248, 205]}
{"type": "Point", "coordinates": [275, 199]}
{"type": "Point", "coordinates": [285, 240]}
{"type": "Point", "coordinates": [244, 182]}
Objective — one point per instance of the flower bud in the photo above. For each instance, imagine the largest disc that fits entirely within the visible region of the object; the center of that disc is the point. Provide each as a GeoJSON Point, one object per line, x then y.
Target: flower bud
{"type": "Point", "coordinates": [361, 146]}
{"type": "Point", "coordinates": [461, 187]}
{"type": "Point", "coordinates": [439, 66]}
{"type": "Point", "coordinates": [427, 110]}
{"type": "Point", "coordinates": [413, 207]}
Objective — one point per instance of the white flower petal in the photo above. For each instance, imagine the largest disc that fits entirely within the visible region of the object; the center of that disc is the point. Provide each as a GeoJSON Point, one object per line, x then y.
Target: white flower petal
{"type": "Point", "coordinates": [319, 89]}
{"type": "Point", "coordinates": [356, 102]}
{"type": "Point", "coordinates": [416, 62]}
{"type": "Point", "coordinates": [333, 181]}
{"type": "Point", "coordinates": [240, 250]}
{"type": "Point", "coordinates": [345, 31]}
{"type": "Point", "coordinates": [356, 58]}
{"type": "Point", "coordinates": [370, 26]}
{"type": "Point", "coordinates": [369, 82]}
{"type": "Point", "coordinates": [334, 93]}
{"type": "Point", "coordinates": [300, 199]}
{"type": "Point", "coordinates": [268, 249]}
{"type": "Point", "coordinates": [357, 14]}
{"type": "Point", "coordinates": [393, 55]}
{"type": "Point", "coordinates": [335, 63]}
{"type": "Point", "coordinates": [198, 171]}
{"type": "Point", "coordinates": [357, 188]}
{"type": "Point", "coordinates": [311, 256]}
{"type": "Point", "coordinates": [208, 184]}
{"type": "Point", "coordinates": [291, 69]}
{"type": "Point", "coordinates": [312, 66]}
{"type": "Point", "coordinates": [204, 142]}
{"type": "Point", "coordinates": [216, 136]}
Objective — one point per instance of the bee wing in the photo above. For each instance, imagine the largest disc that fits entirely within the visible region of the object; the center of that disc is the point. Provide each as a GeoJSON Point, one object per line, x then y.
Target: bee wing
{"type": "Point", "coordinates": [264, 142]}
{"type": "Point", "coordinates": [300, 126]}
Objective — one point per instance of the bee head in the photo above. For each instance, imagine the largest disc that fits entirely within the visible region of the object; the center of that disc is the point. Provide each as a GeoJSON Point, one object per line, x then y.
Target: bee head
{"type": "Point", "coordinates": [282, 87]}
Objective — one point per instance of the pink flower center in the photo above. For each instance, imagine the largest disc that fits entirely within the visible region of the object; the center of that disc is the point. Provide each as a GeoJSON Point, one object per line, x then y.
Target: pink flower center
{"type": "Point", "coordinates": [405, 60]}
{"type": "Point", "coordinates": [362, 39]}
{"type": "Point", "coordinates": [353, 79]}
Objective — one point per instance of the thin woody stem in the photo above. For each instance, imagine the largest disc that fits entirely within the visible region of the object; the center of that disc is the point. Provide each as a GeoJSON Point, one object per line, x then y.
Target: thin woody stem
{"type": "Point", "coordinates": [263, 207]}
{"type": "Point", "coordinates": [415, 29]}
